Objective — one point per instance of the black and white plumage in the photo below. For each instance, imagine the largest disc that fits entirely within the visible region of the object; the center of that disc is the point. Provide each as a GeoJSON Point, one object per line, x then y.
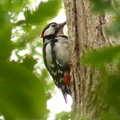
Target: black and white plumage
{"type": "Point", "coordinates": [56, 55]}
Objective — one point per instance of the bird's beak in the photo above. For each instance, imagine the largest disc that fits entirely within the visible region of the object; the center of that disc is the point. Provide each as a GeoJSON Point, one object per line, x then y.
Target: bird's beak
{"type": "Point", "coordinates": [62, 24]}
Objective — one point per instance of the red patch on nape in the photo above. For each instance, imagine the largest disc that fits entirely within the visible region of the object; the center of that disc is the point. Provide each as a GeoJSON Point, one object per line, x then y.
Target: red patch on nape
{"type": "Point", "coordinates": [67, 79]}
{"type": "Point", "coordinates": [42, 35]}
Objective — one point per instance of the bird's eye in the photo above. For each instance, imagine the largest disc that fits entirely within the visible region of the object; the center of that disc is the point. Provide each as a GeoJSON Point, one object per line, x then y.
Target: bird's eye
{"type": "Point", "coordinates": [53, 25]}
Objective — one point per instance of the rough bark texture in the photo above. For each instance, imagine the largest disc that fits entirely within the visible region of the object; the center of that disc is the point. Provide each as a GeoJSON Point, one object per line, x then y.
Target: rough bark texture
{"type": "Point", "coordinates": [85, 31]}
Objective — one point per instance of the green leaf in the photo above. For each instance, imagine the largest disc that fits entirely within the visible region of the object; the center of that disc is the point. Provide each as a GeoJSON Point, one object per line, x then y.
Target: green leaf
{"type": "Point", "coordinates": [5, 34]}
{"type": "Point", "coordinates": [102, 56]}
{"type": "Point", "coordinates": [114, 91]}
{"type": "Point", "coordinates": [14, 6]}
{"type": "Point", "coordinates": [29, 63]}
{"type": "Point", "coordinates": [44, 12]}
{"type": "Point", "coordinates": [63, 116]}
{"type": "Point", "coordinates": [22, 94]}
{"type": "Point", "coordinates": [101, 5]}
{"type": "Point", "coordinates": [114, 28]}
{"type": "Point", "coordinates": [109, 116]}
{"type": "Point", "coordinates": [67, 116]}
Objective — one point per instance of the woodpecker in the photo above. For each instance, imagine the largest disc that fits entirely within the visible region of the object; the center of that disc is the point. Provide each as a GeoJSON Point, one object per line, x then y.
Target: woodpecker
{"type": "Point", "coordinates": [56, 56]}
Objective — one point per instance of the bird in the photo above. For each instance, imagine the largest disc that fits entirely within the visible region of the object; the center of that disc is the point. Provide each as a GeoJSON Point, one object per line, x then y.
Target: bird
{"type": "Point", "coordinates": [56, 56]}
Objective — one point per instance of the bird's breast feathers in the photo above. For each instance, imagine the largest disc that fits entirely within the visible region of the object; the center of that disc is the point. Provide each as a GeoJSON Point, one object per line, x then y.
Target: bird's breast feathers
{"type": "Point", "coordinates": [61, 49]}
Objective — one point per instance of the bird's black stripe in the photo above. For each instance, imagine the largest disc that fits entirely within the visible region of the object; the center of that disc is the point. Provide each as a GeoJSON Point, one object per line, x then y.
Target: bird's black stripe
{"type": "Point", "coordinates": [49, 37]}
{"type": "Point", "coordinates": [64, 36]}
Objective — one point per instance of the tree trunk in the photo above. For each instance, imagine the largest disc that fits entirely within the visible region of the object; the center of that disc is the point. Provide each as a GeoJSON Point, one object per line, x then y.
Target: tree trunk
{"type": "Point", "coordinates": [85, 31]}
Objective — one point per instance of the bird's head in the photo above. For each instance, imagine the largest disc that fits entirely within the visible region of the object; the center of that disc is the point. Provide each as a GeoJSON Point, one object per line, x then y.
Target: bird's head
{"type": "Point", "coordinates": [52, 29]}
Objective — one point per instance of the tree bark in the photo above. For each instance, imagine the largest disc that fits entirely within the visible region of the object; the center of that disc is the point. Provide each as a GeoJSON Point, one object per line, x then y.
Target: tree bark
{"type": "Point", "coordinates": [85, 31]}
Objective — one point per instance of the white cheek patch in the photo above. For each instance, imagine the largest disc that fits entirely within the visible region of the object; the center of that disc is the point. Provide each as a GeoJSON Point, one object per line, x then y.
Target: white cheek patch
{"type": "Point", "coordinates": [49, 31]}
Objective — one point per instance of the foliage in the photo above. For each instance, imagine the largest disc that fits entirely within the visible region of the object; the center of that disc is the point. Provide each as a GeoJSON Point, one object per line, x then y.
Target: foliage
{"type": "Point", "coordinates": [102, 56]}
{"type": "Point", "coordinates": [66, 116]}
{"type": "Point", "coordinates": [63, 116]}
{"type": "Point", "coordinates": [23, 90]}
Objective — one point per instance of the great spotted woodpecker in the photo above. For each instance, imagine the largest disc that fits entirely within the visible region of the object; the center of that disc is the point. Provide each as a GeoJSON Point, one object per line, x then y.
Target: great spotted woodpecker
{"type": "Point", "coordinates": [56, 56]}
